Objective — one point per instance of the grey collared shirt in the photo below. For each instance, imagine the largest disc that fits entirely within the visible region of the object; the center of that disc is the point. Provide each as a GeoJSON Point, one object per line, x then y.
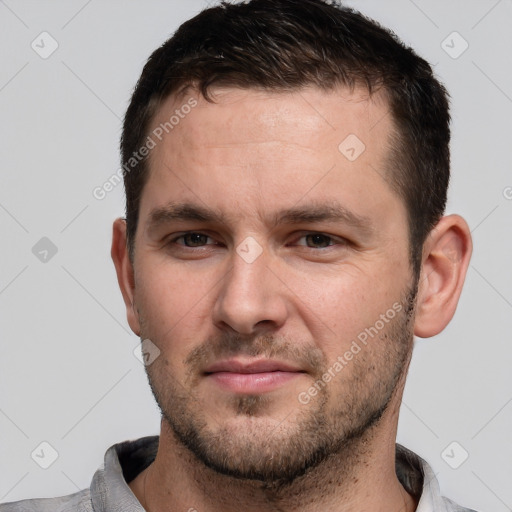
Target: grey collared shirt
{"type": "Point", "coordinates": [109, 490]}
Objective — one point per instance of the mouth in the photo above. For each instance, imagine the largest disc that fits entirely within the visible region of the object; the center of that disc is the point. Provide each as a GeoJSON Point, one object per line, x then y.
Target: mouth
{"type": "Point", "coordinates": [253, 376]}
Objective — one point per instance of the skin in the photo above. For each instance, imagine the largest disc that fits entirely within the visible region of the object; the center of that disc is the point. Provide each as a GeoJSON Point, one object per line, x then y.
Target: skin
{"type": "Point", "coordinates": [302, 301]}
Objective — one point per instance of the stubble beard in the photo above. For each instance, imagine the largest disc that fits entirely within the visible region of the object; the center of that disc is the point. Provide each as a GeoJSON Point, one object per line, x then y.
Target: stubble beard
{"type": "Point", "coordinates": [276, 452]}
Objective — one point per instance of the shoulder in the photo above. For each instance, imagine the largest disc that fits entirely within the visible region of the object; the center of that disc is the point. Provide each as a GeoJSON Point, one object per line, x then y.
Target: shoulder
{"type": "Point", "coordinates": [77, 502]}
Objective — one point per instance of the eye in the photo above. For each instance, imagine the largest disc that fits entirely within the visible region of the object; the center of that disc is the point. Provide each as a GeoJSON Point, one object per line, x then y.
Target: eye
{"type": "Point", "coordinates": [319, 240]}
{"type": "Point", "coordinates": [191, 239]}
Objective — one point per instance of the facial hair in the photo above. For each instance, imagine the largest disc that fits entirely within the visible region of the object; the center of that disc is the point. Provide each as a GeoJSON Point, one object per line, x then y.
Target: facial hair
{"type": "Point", "coordinates": [277, 452]}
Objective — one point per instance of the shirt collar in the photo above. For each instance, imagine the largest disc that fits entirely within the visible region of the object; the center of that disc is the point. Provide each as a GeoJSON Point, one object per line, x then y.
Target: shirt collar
{"type": "Point", "coordinates": [419, 479]}
{"type": "Point", "coordinates": [124, 461]}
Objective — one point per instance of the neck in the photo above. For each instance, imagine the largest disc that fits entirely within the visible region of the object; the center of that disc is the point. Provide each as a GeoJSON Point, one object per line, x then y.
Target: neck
{"type": "Point", "coordinates": [361, 476]}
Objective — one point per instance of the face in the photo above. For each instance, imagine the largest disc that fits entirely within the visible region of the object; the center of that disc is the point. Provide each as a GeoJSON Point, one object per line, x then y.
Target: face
{"type": "Point", "coordinates": [271, 271]}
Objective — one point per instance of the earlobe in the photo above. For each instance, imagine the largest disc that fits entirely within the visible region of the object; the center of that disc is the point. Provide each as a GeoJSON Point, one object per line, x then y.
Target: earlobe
{"type": "Point", "coordinates": [125, 272]}
{"type": "Point", "coordinates": [446, 256]}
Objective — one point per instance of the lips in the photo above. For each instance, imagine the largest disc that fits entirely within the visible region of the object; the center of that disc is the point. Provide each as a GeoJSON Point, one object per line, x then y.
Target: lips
{"type": "Point", "coordinates": [259, 366]}
{"type": "Point", "coordinates": [251, 377]}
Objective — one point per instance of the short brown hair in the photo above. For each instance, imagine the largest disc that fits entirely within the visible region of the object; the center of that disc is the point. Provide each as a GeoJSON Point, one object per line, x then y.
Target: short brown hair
{"type": "Point", "coordinates": [284, 45]}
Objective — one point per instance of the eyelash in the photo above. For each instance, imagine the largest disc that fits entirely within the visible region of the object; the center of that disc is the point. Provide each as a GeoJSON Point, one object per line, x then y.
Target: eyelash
{"type": "Point", "coordinates": [334, 240]}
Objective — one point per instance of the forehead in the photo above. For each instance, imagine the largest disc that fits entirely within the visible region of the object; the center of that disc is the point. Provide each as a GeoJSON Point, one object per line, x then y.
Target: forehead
{"type": "Point", "coordinates": [257, 148]}
{"type": "Point", "coordinates": [258, 116]}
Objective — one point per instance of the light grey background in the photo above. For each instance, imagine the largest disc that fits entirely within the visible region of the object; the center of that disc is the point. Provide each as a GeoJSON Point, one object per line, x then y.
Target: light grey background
{"type": "Point", "coordinates": [68, 375]}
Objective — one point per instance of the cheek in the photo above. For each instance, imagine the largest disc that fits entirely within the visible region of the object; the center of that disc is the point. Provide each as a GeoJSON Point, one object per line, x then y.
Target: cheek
{"type": "Point", "coordinates": [340, 307]}
{"type": "Point", "coordinates": [175, 306]}
{"type": "Point", "coordinates": [163, 298]}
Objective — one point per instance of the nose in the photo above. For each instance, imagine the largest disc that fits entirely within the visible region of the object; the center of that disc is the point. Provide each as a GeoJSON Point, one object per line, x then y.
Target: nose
{"type": "Point", "coordinates": [252, 297]}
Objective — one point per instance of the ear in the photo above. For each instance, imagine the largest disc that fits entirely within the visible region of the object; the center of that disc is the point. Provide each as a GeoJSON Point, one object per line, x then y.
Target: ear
{"type": "Point", "coordinates": [125, 272]}
{"type": "Point", "coordinates": [446, 255]}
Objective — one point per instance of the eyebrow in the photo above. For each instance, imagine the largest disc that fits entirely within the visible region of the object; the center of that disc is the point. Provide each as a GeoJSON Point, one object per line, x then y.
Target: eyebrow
{"type": "Point", "coordinates": [328, 212]}
{"type": "Point", "coordinates": [332, 212]}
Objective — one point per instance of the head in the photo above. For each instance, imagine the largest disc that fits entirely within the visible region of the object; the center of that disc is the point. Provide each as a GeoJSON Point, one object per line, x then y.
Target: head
{"type": "Point", "coordinates": [286, 211]}
{"type": "Point", "coordinates": [312, 43]}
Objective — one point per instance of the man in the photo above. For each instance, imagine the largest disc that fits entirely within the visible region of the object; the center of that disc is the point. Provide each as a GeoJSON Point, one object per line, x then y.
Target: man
{"type": "Point", "coordinates": [286, 167]}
